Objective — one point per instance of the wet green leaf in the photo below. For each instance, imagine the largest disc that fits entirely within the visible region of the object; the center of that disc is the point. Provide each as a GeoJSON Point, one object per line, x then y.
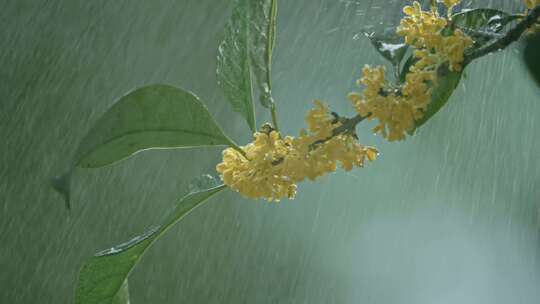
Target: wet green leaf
{"type": "Point", "coordinates": [153, 117]}
{"type": "Point", "coordinates": [411, 60]}
{"type": "Point", "coordinates": [531, 56]}
{"type": "Point", "coordinates": [246, 52]}
{"type": "Point", "coordinates": [482, 24]}
{"type": "Point", "coordinates": [442, 90]}
{"type": "Point", "coordinates": [262, 34]}
{"type": "Point", "coordinates": [122, 296]}
{"type": "Point", "coordinates": [234, 66]}
{"type": "Point", "coordinates": [389, 44]}
{"type": "Point", "coordinates": [102, 279]}
{"type": "Point", "coordinates": [483, 19]}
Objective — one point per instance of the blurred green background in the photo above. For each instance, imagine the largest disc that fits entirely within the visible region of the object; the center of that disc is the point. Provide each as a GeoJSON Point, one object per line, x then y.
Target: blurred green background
{"type": "Point", "coordinates": [449, 216]}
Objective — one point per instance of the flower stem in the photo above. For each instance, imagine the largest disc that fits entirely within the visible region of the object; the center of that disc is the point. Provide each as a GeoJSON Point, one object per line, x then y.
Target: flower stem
{"type": "Point", "coordinates": [237, 148]}
{"type": "Point", "coordinates": [274, 116]}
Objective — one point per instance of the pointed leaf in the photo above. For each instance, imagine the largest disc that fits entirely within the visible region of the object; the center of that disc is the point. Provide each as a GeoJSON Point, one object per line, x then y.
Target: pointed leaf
{"type": "Point", "coordinates": [442, 90]}
{"type": "Point", "coordinates": [103, 276]}
{"type": "Point", "coordinates": [62, 184]}
{"type": "Point", "coordinates": [389, 44]}
{"type": "Point", "coordinates": [262, 33]}
{"type": "Point", "coordinates": [153, 117]}
{"type": "Point", "coordinates": [488, 19]}
{"type": "Point", "coordinates": [482, 24]}
{"type": "Point", "coordinates": [530, 54]}
{"type": "Point", "coordinates": [246, 51]}
{"type": "Point", "coordinates": [411, 60]}
{"type": "Point", "coordinates": [233, 64]}
{"type": "Point", "coordinates": [122, 296]}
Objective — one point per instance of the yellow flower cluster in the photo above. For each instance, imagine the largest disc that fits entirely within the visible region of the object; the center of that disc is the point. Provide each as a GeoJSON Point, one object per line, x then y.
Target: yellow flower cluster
{"type": "Point", "coordinates": [532, 3]}
{"type": "Point", "coordinates": [272, 165]}
{"type": "Point", "coordinates": [254, 174]}
{"type": "Point", "coordinates": [397, 108]}
{"type": "Point", "coordinates": [424, 31]}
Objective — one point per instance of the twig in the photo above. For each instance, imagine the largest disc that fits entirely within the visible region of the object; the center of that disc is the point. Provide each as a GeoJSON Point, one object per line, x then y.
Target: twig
{"type": "Point", "coordinates": [348, 126]}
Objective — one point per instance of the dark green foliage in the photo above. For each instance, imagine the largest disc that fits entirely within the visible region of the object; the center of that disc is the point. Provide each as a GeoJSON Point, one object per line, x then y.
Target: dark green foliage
{"type": "Point", "coordinates": [103, 278]}
{"type": "Point", "coordinates": [482, 24]}
{"type": "Point", "coordinates": [447, 82]}
{"type": "Point", "coordinates": [531, 54]}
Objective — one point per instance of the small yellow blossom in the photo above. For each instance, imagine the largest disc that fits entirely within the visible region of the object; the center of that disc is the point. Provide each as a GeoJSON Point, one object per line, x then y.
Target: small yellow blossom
{"type": "Point", "coordinates": [255, 175]}
{"type": "Point", "coordinates": [272, 165]}
{"type": "Point", "coordinates": [421, 28]}
{"type": "Point", "coordinates": [319, 120]}
{"type": "Point", "coordinates": [532, 3]}
{"type": "Point", "coordinates": [454, 49]}
{"type": "Point", "coordinates": [396, 110]}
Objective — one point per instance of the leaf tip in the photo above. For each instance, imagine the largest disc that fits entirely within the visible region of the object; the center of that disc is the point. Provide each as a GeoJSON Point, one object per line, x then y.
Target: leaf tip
{"type": "Point", "coordinates": [61, 184]}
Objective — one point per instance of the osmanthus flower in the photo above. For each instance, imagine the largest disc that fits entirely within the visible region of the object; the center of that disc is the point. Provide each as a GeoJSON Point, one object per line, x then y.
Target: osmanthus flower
{"type": "Point", "coordinates": [396, 109]}
{"type": "Point", "coordinates": [317, 152]}
{"type": "Point", "coordinates": [532, 3]}
{"type": "Point", "coordinates": [424, 31]}
{"type": "Point", "coordinates": [255, 174]}
{"type": "Point", "coordinates": [272, 165]}
{"type": "Point", "coordinates": [398, 106]}
{"type": "Point", "coordinates": [421, 28]}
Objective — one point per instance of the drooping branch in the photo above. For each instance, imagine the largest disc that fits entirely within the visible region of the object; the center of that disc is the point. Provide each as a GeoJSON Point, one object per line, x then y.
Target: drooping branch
{"type": "Point", "coordinates": [501, 43]}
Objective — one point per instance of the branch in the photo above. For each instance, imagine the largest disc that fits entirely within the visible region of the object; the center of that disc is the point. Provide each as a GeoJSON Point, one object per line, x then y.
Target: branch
{"type": "Point", "coordinates": [511, 36]}
{"type": "Point", "coordinates": [348, 126]}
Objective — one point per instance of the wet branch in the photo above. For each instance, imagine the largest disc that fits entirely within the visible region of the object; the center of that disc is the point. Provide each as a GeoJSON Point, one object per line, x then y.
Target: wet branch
{"type": "Point", "coordinates": [348, 126]}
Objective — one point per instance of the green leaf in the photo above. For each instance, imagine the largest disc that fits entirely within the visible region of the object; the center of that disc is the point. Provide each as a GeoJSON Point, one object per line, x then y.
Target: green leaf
{"type": "Point", "coordinates": [153, 117]}
{"type": "Point", "coordinates": [530, 54]}
{"type": "Point", "coordinates": [483, 19]}
{"type": "Point", "coordinates": [122, 296]}
{"type": "Point", "coordinates": [262, 33]}
{"type": "Point", "coordinates": [442, 90]}
{"type": "Point", "coordinates": [411, 60]}
{"type": "Point", "coordinates": [482, 24]}
{"type": "Point", "coordinates": [233, 64]}
{"type": "Point", "coordinates": [246, 52]}
{"type": "Point", "coordinates": [389, 44]}
{"type": "Point", "coordinates": [103, 276]}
